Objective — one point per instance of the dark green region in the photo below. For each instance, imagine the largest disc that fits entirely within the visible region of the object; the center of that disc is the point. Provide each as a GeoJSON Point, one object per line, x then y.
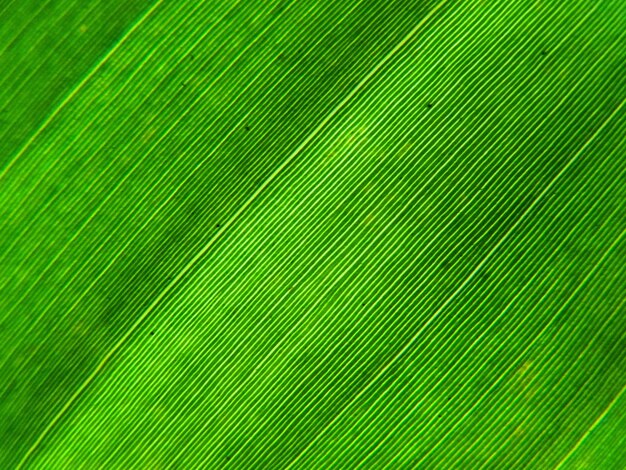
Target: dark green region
{"type": "Point", "coordinates": [46, 49]}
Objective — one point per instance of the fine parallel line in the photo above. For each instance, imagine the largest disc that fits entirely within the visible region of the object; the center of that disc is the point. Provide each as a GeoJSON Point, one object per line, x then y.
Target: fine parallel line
{"type": "Point", "coordinates": [459, 289]}
{"type": "Point", "coordinates": [593, 426]}
{"type": "Point", "coordinates": [485, 395]}
{"type": "Point", "coordinates": [70, 96]}
{"type": "Point", "coordinates": [226, 225]}
{"type": "Point", "coordinates": [467, 352]}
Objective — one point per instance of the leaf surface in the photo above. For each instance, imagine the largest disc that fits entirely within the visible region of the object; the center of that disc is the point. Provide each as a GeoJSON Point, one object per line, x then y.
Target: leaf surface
{"type": "Point", "coordinates": [280, 234]}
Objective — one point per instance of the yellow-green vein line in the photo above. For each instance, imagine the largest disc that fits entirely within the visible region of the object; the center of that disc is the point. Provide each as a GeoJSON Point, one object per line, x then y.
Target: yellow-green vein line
{"type": "Point", "coordinates": [70, 96]}
{"type": "Point", "coordinates": [224, 227]}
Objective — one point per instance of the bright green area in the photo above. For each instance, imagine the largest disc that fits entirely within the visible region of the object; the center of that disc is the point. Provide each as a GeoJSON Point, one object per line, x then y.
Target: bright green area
{"type": "Point", "coordinates": [313, 234]}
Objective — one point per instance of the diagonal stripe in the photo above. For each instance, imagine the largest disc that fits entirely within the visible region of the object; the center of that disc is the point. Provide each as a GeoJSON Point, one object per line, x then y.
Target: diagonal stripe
{"type": "Point", "coordinates": [594, 425]}
{"type": "Point", "coordinates": [70, 96]}
{"type": "Point", "coordinates": [460, 288]}
{"type": "Point", "coordinates": [226, 225]}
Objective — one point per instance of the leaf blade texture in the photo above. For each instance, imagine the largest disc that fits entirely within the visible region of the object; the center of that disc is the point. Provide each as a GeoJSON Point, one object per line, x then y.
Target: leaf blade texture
{"type": "Point", "coordinates": [312, 234]}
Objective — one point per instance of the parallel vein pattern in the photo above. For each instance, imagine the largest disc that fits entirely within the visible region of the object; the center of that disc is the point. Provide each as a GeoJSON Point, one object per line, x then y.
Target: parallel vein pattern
{"type": "Point", "coordinates": [313, 234]}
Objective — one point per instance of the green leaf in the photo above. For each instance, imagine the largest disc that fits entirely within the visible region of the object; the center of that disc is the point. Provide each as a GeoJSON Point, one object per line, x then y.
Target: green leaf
{"type": "Point", "coordinates": [313, 234]}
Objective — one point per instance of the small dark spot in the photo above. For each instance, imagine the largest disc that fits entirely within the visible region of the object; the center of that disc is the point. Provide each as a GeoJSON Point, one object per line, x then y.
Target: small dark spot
{"type": "Point", "coordinates": [217, 226]}
{"type": "Point", "coordinates": [440, 416]}
{"type": "Point", "coordinates": [430, 105]}
{"type": "Point", "coordinates": [152, 333]}
{"type": "Point", "coordinates": [544, 52]}
{"type": "Point", "coordinates": [227, 457]}
{"type": "Point", "coordinates": [247, 128]}
{"type": "Point", "coordinates": [183, 84]}
{"type": "Point", "coordinates": [191, 56]}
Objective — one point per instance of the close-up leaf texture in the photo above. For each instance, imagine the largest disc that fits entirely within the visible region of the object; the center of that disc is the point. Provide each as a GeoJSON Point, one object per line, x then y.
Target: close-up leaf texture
{"type": "Point", "coordinates": [297, 234]}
